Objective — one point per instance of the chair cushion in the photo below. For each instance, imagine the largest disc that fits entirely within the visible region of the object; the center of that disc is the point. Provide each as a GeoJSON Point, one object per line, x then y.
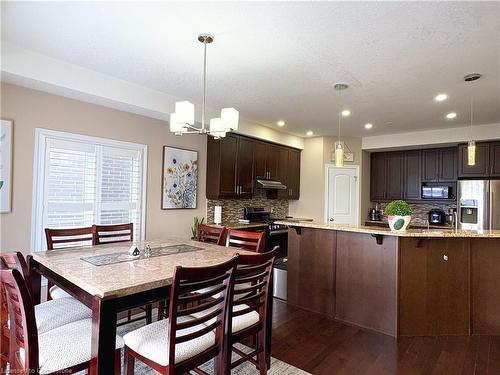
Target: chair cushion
{"type": "Point", "coordinates": [151, 341]}
{"type": "Point", "coordinates": [238, 322]}
{"type": "Point", "coordinates": [56, 293]}
{"type": "Point", "coordinates": [58, 312]}
{"type": "Point", "coordinates": [67, 346]}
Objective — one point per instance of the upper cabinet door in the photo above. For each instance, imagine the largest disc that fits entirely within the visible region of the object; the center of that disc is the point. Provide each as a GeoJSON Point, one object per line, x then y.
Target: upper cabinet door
{"type": "Point", "coordinates": [495, 159]}
{"type": "Point", "coordinates": [377, 176]}
{"type": "Point", "coordinates": [482, 166]}
{"type": "Point", "coordinates": [260, 158]}
{"type": "Point", "coordinates": [272, 161]}
{"type": "Point", "coordinates": [448, 164]}
{"type": "Point", "coordinates": [395, 175]}
{"type": "Point", "coordinates": [430, 165]}
{"type": "Point", "coordinates": [294, 174]}
{"type": "Point", "coordinates": [228, 157]}
{"type": "Point", "coordinates": [412, 183]}
{"type": "Point", "coordinates": [283, 169]}
{"type": "Point", "coordinates": [245, 165]}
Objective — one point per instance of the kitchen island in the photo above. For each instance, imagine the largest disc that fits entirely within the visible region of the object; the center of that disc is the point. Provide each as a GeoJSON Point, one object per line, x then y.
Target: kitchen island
{"type": "Point", "coordinates": [420, 282]}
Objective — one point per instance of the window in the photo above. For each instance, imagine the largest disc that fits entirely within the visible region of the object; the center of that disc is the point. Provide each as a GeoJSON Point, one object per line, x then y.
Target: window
{"type": "Point", "coordinates": [79, 181]}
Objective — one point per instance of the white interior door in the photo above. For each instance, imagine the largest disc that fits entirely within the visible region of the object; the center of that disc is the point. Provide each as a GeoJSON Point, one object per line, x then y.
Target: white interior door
{"type": "Point", "coordinates": [342, 196]}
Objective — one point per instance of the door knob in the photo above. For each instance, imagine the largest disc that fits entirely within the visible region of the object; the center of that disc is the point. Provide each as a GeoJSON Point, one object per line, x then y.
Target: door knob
{"type": "Point", "coordinates": [331, 219]}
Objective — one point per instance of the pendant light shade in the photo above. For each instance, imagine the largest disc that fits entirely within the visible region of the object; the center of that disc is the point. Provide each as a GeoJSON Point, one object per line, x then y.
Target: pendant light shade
{"type": "Point", "coordinates": [229, 118]}
{"type": "Point", "coordinates": [216, 128]}
{"type": "Point", "coordinates": [184, 112]}
{"type": "Point", "coordinates": [471, 153]}
{"type": "Point", "coordinates": [339, 154]}
{"type": "Point", "coordinates": [175, 126]}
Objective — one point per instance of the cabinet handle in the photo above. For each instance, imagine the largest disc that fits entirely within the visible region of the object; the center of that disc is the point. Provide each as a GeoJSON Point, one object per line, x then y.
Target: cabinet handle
{"type": "Point", "coordinates": [290, 192]}
{"type": "Point", "coordinates": [445, 258]}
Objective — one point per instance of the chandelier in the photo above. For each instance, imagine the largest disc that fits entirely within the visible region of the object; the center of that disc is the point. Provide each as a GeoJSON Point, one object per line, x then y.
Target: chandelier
{"type": "Point", "coordinates": [182, 120]}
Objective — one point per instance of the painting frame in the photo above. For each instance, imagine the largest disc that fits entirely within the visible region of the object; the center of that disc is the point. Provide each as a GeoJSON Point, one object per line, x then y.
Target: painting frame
{"type": "Point", "coordinates": [179, 186]}
{"type": "Point", "coordinates": [6, 164]}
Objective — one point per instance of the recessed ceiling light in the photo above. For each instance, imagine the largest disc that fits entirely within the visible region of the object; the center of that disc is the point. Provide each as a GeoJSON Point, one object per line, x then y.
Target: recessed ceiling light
{"type": "Point", "coordinates": [280, 123]}
{"type": "Point", "coordinates": [441, 97]}
{"type": "Point", "coordinates": [346, 112]}
{"type": "Point", "coordinates": [451, 115]}
{"type": "Point", "coordinates": [368, 126]}
{"type": "Point", "coordinates": [309, 133]}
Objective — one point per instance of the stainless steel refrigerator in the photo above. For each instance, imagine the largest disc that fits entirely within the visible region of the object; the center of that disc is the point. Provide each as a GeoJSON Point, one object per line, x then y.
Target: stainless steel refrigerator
{"type": "Point", "coordinates": [478, 204]}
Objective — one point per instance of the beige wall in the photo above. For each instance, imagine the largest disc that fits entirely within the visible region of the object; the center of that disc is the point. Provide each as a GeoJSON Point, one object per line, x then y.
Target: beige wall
{"type": "Point", "coordinates": [32, 109]}
{"type": "Point", "coordinates": [317, 153]}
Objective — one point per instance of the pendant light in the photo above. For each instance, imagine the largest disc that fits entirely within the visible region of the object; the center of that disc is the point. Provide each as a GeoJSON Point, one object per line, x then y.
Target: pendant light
{"type": "Point", "coordinates": [471, 146]}
{"type": "Point", "coordinates": [339, 145]}
{"type": "Point", "coordinates": [182, 120]}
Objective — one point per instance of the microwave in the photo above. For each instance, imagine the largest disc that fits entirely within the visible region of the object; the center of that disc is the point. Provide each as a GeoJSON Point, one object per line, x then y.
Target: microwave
{"type": "Point", "coordinates": [436, 192]}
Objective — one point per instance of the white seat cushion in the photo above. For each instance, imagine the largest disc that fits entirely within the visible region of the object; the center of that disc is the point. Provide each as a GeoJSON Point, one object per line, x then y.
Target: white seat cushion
{"type": "Point", "coordinates": [239, 322]}
{"type": "Point", "coordinates": [151, 341]}
{"type": "Point", "coordinates": [58, 312]}
{"type": "Point", "coordinates": [56, 293]}
{"type": "Point", "coordinates": [67, 346]}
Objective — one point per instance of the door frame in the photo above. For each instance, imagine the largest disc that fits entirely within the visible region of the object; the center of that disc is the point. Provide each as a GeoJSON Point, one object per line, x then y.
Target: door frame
{"type": "Point", "coordinates": [358, 200]}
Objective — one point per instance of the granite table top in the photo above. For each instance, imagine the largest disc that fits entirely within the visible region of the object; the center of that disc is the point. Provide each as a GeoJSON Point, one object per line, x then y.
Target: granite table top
{"type": "Point", "coordinates": [437, 233]}
{"type": "Point", "coordinates": [136, 275]}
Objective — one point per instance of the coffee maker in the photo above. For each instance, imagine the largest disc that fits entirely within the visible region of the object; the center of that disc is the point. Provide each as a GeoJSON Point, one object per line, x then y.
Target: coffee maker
{"type": "Point", "coordinates": [437, 217]}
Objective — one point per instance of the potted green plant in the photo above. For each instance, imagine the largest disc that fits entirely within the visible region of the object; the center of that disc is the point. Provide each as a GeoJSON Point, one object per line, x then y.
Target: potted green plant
{"type": "Point", "coordinates": [195, 227]}
{"type": "Point", "coordinates": [398, 215]}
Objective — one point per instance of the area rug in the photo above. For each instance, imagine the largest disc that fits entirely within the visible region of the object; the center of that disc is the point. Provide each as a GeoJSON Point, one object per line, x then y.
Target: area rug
{"type": "Point", "coordinates": [277, 367]}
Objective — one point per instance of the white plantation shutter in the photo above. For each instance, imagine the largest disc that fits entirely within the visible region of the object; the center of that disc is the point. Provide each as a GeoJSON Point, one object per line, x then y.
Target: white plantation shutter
{"type": "Point", "coordinates": [85, 180]}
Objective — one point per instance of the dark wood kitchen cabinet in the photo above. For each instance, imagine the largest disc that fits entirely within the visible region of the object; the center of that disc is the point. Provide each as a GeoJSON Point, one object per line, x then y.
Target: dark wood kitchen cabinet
{"type": "Point", "coordinates": [495, 159]}
{"type": "Point", "coordinates": [412, 180]}
{"type": "Point", "coordinates": [481, 168]}
{"type": "Point", "coordinates": [245, 180]}
{"type": "Point", "coordinates": [293, 182]}
{"type": "Point", "coordinates": [434, 291]}
{"type": "Point", "coordinates": [439, 165]}
{"type": "Point", "coordinates": [395, 177]}
{"type": "Point", "coordinates": [235, 162]}
{"type": "Point", "coordinates": [230, 167]}
{"type": "Point", "coordinates": [378, 176]}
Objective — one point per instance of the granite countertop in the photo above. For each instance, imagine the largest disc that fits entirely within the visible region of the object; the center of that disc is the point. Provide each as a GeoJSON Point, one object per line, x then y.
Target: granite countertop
{"type": "Point", "coordinates": [387, 232]}
{"type": "Point", "coordinates": [132, 276]}
{"type": "Point", "coordinates": [238, 225]}
{"type": "Point", "coordinates": [411, 226]}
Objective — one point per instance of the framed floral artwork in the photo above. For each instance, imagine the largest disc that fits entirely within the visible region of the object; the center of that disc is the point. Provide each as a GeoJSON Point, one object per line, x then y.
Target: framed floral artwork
{"type": "Point", "coordinates": [179, 178]}
{"type": "Point", "coordinates": [5, 165]}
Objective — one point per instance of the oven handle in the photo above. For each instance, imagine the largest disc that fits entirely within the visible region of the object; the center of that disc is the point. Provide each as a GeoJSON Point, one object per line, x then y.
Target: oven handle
{"type": "Point", "coordinates": [278, 232]}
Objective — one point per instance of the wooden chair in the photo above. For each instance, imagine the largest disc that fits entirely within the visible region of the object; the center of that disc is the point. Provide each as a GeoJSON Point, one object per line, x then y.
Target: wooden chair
{"type": "Point", "coordinates": [183, 342]}
{"type": "Point", "coordinates": [116, 233]}
{"type": "Point", "coordinates": [61, 238]}
{"type": "Point", "coordinates": [248, 308]}
{"type": "Point", "coordinates": [63, 349]}
{"type": "Point", "coordinates": [212, 234]}
{"type": "Point", "coordinates": [49, 315]}
{"type": "Point", "coordinates": [206, 233]}
{"type": "Point", "coordinates": [104, 234]}
{"type": "Point", "coordinates": [251, 241]}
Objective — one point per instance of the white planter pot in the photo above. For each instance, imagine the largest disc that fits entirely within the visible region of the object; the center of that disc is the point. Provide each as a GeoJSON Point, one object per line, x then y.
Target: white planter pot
{"type": "Point", "coordinates": [398, 223]}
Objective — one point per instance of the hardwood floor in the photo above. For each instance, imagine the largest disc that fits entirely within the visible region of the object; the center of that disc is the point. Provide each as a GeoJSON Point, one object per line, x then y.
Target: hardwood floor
{"type": "Point", "coordinates": [321, 346]}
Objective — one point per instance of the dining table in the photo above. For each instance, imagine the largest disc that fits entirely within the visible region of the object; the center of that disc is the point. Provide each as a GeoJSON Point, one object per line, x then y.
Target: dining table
{"type": "Point", "coordinates": [108, 280]}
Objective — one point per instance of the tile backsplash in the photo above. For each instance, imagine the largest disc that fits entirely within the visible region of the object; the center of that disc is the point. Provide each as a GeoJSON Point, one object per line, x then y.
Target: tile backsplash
{"type": "Point", "coordinates": [232, 209]}
{"type": "Point", "coordinates": [420, 211]}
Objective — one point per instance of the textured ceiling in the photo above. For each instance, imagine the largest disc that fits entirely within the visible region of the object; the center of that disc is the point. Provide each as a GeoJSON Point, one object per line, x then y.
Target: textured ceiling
{"type": "Point", "coordinates": [277, 60]}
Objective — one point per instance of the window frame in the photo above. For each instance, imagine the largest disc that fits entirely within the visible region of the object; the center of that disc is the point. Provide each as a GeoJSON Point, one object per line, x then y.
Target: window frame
{"type": "Point", "coordinates": [39, 172]}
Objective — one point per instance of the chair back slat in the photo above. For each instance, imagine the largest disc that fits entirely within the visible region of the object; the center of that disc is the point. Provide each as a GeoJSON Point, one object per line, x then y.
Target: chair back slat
{"type": "Point", "coordinates": [116, 233]}
{"type": "Point", "coordinates": [252, 241]}
{"type": "Point", "coordinates": [211, 313]}
{"type": "Point", "coordinates": [215, 235]}
{"type": "Point", "coordinates": [23, 331]}
{"type": "Point", "coordinates": [71, 237]}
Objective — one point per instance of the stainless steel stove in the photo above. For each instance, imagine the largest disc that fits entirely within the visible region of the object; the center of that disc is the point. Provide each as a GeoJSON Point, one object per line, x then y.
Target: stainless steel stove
{"type": "Point", "coordinates": [276, 234]}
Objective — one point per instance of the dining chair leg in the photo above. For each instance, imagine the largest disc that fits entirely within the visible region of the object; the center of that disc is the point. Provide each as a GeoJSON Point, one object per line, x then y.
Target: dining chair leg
{"type": "Point", "coordinates": [118, 362]}
{"type": "Point", "coordinates": [161, 309]}
{"type": "Point", "coordinates": [149, 314]}
{"type": "Point", "coordinates": [129, 363]}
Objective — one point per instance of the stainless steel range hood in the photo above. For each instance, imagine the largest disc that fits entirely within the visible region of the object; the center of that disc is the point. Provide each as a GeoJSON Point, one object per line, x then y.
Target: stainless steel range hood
{"type": "Point", "coordinates": [271, 185]}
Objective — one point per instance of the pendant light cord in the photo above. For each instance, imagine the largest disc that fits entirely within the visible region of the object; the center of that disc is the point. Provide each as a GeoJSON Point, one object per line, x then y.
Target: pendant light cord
{"type": "Point", "coordinates": [471, 111]}
{"type": "Point", "coordinates": [204, 85]}
{"type": "Point", "coordinates": [340, 113]}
